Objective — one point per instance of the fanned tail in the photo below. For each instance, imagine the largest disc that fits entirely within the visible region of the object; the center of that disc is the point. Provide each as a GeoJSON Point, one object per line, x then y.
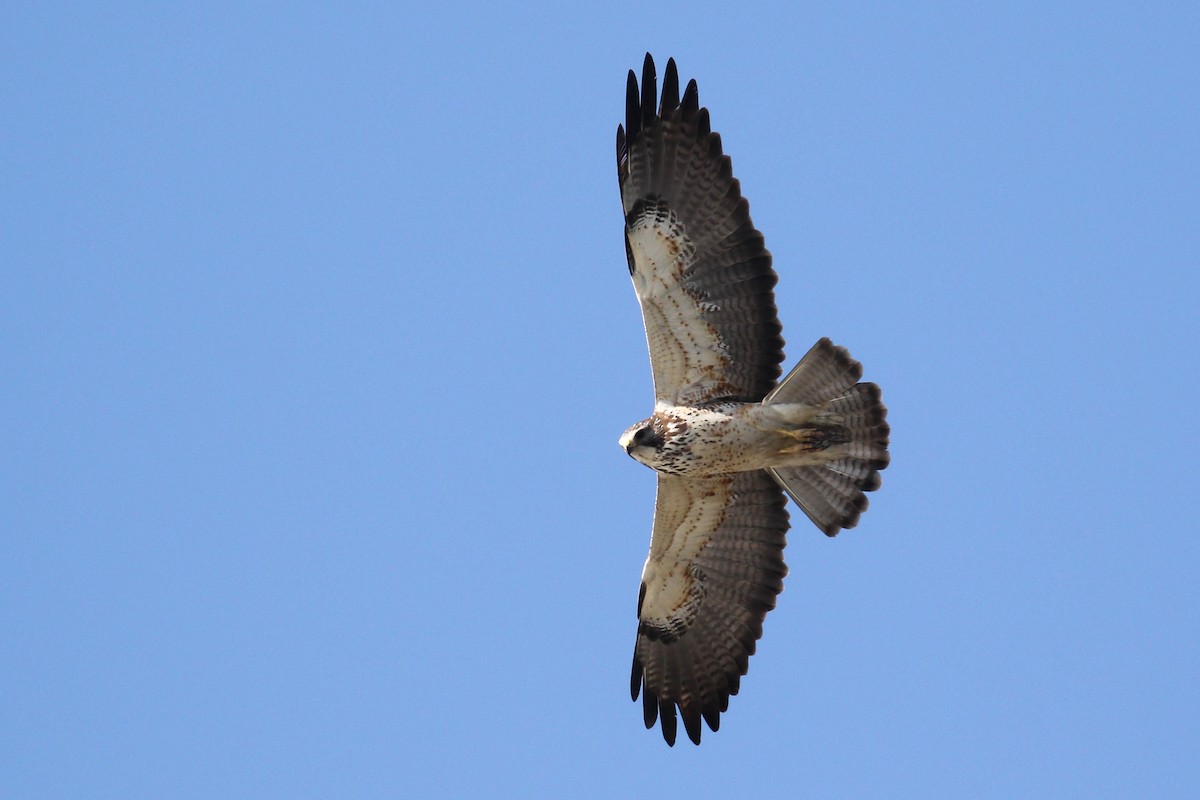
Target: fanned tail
{"type": "Point", "coordinates": [853, 418]}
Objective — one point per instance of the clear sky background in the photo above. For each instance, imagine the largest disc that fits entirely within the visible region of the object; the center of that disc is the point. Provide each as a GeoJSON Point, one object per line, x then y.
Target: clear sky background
{"type": "Point", "coordinates": [316, 339]}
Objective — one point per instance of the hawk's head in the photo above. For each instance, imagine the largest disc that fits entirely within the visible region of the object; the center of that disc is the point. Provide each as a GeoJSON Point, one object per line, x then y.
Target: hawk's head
{"type": "Point", "coordinates": [658, 442]}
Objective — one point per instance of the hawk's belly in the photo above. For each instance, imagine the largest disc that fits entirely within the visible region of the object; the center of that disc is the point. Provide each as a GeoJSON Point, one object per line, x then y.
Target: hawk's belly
{"type": "Point", "coordinates": [712, 440]}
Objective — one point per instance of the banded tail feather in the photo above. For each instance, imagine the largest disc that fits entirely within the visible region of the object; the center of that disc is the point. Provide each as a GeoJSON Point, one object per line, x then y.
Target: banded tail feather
{"type": "Point", "coordinates": [832, 494]}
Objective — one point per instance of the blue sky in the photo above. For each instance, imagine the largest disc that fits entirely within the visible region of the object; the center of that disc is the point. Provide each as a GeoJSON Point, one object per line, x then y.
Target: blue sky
{"type": "Point", "coordinates": [317, 339]}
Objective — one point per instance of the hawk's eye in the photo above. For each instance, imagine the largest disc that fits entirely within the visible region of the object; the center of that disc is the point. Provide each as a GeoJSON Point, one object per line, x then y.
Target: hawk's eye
{"type": "Point", "coordinates": [642, 436]}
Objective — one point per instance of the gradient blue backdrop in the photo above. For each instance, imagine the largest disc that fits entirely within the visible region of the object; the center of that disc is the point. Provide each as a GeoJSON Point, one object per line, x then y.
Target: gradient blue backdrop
{"type": "Point", "coordinates": [317, 338]}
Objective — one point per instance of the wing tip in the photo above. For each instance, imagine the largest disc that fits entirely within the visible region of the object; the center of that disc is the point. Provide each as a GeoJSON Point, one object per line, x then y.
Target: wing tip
{"type": "Point", "coordinates": [691, 98]}
{"type": "Point", "coordinates": [633, 115]}
{"type": "Point", "coordinates": [649, 89]}
{"type": "Point", "coordinates": [644, 103]}
{"type": "Point", "coordinates": [670, 90]}
{"type": "Point", "coordinates": [667, 714]}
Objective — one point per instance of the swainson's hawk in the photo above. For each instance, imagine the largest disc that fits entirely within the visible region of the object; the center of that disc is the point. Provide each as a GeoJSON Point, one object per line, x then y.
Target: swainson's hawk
{"type": "Point", "coordinates": [726, 439]}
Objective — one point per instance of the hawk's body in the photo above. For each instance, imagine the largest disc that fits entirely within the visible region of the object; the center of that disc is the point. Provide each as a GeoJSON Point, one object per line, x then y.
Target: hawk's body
{"type": "Point", "coordinates": [726, 439]}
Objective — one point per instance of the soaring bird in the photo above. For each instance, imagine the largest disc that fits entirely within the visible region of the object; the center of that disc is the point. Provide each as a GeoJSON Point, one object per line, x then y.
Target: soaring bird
{"type": "Point", "coordinates": [727, 439]}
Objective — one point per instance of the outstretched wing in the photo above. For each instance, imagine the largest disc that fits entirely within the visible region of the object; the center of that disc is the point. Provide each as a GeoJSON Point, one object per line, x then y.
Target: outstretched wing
{"type": "Point", "coordinates": [701, 272]}
{"type": "Point", "coordinates": [714, 570]}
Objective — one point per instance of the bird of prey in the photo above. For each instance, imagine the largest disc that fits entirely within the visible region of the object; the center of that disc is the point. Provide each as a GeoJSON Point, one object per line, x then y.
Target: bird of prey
{"type": "Point", "coordinates": [727, 439]}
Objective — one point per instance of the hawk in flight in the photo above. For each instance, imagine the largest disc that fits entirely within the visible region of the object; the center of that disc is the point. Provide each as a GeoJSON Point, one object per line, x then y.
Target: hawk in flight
{"type": "Point", "coordinates": [727, 438]}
